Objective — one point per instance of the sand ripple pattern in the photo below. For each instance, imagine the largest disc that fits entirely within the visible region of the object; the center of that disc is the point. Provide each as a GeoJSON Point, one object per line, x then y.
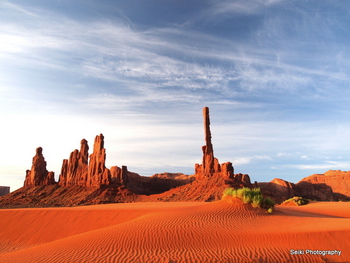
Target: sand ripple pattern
{"type": "Point", "coordinates": [173, 232]}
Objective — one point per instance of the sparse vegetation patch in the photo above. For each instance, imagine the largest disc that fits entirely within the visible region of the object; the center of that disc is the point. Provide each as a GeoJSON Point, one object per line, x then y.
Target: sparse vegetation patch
{"type": "Point", "coordinates": [297, 200]}
{"type": "Point", "coordinates": [251, 196]}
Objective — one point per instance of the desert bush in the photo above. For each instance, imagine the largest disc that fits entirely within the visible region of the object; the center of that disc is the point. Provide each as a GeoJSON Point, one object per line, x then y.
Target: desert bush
{"type": "Point", "coordinates": [297, 200]}
{"type": "Point", "coordinates": [257, 200]}
{"type": "Point", "coordinates": [229, 192]}
{"type": "Point", "coordinates": [246, 199]}
{"type": "Point", "coordinates": [251, 196]}
{"type": "Point", "coordinates": [242, 192]}
{"type": "Point", "coordinates": [268, 203]}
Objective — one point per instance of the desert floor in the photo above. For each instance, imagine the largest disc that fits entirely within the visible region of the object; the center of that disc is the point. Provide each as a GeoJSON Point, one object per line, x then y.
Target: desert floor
{"type": "Point", "coordinates": [223, 231]}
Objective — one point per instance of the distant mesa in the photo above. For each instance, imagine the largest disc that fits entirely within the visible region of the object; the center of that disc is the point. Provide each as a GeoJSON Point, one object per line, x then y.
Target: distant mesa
{"type": "Point", "coordinates": [4, 190]}
{"type": "Point", "coordinates": [85, 179]}
{"type": "Point", "coordinates": [333, 185]}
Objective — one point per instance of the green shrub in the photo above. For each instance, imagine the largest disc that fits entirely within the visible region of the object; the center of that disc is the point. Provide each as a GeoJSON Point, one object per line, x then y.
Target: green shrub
{"type": "Point", "coordinates": [257, 200]}
{"type": "Point", "coordinates": [228, 192]}
{"type": "Point", "coordinates": [251, 196]}
{"type": "Point", "coordinates": [246, 199]}
{"type": "Point", "coordinates": [297, 200]}
{"type": "Point", "coordinates": [256, 191]}
{"type": "Point", "coordinates": [268, 203]}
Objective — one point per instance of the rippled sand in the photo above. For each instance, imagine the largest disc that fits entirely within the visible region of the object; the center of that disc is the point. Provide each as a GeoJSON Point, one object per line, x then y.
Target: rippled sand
{"type": "Point", "coordinates": [223, 231]}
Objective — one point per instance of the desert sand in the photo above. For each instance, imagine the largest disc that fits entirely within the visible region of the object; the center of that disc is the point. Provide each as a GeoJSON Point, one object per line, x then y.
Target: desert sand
{"type": "Point", "coordinates": [222, 231]}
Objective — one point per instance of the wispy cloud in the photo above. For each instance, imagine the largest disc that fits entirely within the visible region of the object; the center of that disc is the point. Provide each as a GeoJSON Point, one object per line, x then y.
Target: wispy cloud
{"type": "Point", "coordinates": [329, 165]}
{"type": "Point", "coordinates": [275, 73]}
{"type": "Point", "coordinates": [242, 7]}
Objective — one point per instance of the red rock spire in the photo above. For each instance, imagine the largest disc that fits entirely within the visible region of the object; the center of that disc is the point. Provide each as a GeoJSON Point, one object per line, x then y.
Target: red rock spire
{"type": "Point", "coordinates": [38, 175]}
{"type": "Point", "coordinates": [74, 171]}
{"type": "Point", "coordinates": [98, 174]}
{"type": "Point", "coordinates": [208, 152]}
{"type": "Point", "coordinates": [210, 165]}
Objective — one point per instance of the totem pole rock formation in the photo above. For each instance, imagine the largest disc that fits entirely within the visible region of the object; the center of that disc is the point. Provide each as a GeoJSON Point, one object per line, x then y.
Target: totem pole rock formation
{"type": "Point", "coordinates": [78, 169]}
{"type": "Point", "coordinates": [74, 170]}
{"type": "Point", "coordinates": [210, 165]}
{"type": "Point", "coordinates": [98, 174]}
{"type": "Point", "coordinates": [38, 175]}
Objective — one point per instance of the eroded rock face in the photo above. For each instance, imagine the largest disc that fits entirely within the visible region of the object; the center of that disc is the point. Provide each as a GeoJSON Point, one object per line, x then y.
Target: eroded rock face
{"type": "Point", "coordinates": [74, 170]}
{"type": "Point", "coordinates": [38, 175]}
{"type": "Point", "coordinates": [119, 175]}
{"type": "Point", "coordinates": [227, 170]}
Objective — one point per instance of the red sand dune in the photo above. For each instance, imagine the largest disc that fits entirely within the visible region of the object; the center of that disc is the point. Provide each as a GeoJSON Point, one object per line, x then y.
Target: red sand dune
{"type": "Point", "coordinates": [222, 231]}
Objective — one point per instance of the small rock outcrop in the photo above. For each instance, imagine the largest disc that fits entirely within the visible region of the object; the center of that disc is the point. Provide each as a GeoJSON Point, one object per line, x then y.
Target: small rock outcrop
{"type": "Point", "coordinates": [74, 170]}
{"type": "Point", "coordinates": [119, 175]}
{"type": "Point", "coordinates": [38, 175]}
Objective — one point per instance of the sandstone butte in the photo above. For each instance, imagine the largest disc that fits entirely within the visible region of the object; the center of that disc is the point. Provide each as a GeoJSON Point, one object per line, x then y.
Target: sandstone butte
{"type": "Point", "coordinates": [84, 179]}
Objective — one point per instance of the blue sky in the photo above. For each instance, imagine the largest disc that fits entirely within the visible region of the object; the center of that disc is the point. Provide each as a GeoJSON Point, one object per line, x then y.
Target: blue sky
{"type": "Point", "coordinates": [275, 75]}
